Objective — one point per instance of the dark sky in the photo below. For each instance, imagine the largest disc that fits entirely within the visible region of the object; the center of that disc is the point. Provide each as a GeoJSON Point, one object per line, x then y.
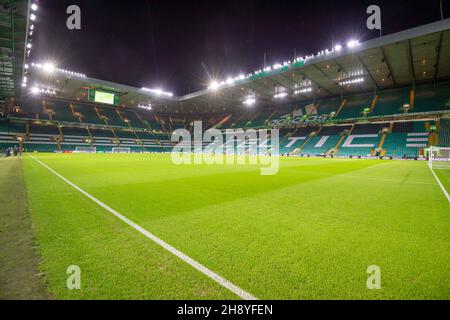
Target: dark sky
{"type": "Point", "coordinates": [181, 45]}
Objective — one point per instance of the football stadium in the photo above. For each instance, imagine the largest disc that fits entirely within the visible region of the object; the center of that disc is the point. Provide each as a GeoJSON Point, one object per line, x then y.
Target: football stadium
{"type": "Point", "coordinates": [319, 176]}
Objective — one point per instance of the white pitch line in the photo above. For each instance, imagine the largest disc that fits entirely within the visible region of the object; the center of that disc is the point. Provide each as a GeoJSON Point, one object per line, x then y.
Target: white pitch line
{"type": "Point", "coordinates": [210, 274]}
{"type": "Point", "coordinates": [441, 185]}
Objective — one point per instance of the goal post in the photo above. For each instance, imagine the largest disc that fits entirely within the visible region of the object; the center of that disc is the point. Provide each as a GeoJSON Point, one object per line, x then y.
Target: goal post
{"type": "Point", "coordinates": [85, 149]}
{"type": "Point", "coordinates": [121, 150]}
{"type": "Point", "coordinates": [439, 158]}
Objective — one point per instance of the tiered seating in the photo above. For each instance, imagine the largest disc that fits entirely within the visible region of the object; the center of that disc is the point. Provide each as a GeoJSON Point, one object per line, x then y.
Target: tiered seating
{"type": "Point", "coordinates": [327, 138]}
{"type": "Point", "coordinates": [88, 113]}
{"type": "Point", "coordinates": [34, 109]}
{"type": "Point", "coordinates": [175, 123]}
{"type": "Point", "coordinates": [129, 140]}
{"type": "Point", "coordinates": [74, 137]}
{"type": "Point", "coordinates": [359, 144]}
{"type": "Point", "coordinates": [42, 138]}
{"type": "Point", "coordinates": [12, 128]}
{"type": "Point", "coordinates": [113, 118]}
{"type": "Point", "coordinates": [390, 102]}
{"type": "Point", "coordinates": [153, 124]}
{"type": "Point", "coordinates": [432, 98]}
{"type": "Point", "coordinates": [244, 120]}
{"type": "Point", "coordinates": [260, 120]}
{"type": "Point", "coordinates": [61, 111]}
{"type": "Point", "coordinates": [319, 145]}
{"type": "Point", "coordinates": [355, 106]}
{"type": "Point", "coordinates": [395, 145]}
{"type": "Point", "coordinates": [133, 119]}
{"type": "Point", "coordinates": [327, 106]}
{"type": "Point", "coordinates": [406, 140]}
{"type": "Point", "coordinates": [293, 139]}
{"type": "Point", "coordinates": [369, 128]}
{"type": "Point", "coordinates": [8, 134]}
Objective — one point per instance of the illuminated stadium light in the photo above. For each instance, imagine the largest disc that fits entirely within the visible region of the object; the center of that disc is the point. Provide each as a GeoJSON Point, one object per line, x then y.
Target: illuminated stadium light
{"type": "Point", "coordinates": [353, 81]}
{"type": "Point", "coordinates": [145, 106]}
{"type": "Point", "coordinates": [36, 90]}
{"type": "Point", "coordinates": [249, 101]}
{"type": "Point", "coordinates": [280, 95]}
{"type": "Point", "coordinates": [158, 92]}
{"type": "Point", "coordinates": [71, 73]}
{"type": "Point", "coordinates": [32, 27]}
{"type": "Point", "coordinates": [214, 85]}
{"type": "Point", "coordinates": [48, 67]}
{"type": "Point", "coordinates": [277, 66]}
{"type": "Point", "coordinates": [32, 17]}
{"type": "Point", "coordinates": [34, 7]}
{"type": "Point", "coordinates": [29, 45]}
{"type": "Point", "coordinates": [230, 81]}
{"type": "Point", "coordinates": [352, 43]}
{"type": "Point", "coordinates": [51, 92]}
{"type": "Point", "coordinates": [301, 91]}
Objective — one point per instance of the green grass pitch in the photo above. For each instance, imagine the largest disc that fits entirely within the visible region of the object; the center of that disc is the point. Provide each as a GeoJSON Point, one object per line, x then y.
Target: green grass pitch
{"type": "Point", "coordinates": [309, 232]}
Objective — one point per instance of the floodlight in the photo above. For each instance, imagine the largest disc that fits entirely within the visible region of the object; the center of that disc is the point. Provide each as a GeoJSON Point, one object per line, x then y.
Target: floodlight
{"type": "Point", "coordinates": [249, 101]}
{"type": "Point", "coordinates": [352, 43]}
{"type": "Point", "coordinates": [214, 85]}
{"type": "Point", "coordinates": [48, 67]}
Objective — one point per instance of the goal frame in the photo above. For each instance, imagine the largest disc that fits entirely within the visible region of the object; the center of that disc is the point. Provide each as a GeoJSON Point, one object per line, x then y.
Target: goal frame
{"type": "Point", "coordinates": [437, 160]}
{"type": "Point", "coordinates": [84, 149]}
{"type": "Point", "coordinates": [121, 150]}
{"type": "Point", "coordinates": [443, 163]}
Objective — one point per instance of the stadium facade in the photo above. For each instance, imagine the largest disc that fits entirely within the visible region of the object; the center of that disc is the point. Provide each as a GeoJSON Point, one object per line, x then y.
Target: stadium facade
{"type": "Point", "coordinates": [387, 97]}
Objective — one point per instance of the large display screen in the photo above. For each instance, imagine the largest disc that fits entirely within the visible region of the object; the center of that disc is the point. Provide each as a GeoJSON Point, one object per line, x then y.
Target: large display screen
{"type": "Point", "coordinates": [104, 97]}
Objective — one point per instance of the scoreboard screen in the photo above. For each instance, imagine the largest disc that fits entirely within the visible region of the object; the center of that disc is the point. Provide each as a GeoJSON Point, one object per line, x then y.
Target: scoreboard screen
{"type": "Point", "coordinates": [103, 97]}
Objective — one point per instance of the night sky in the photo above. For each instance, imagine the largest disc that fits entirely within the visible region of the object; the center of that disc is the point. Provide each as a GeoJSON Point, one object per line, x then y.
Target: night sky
{"type": "Point", "coordinates": [180, 45]}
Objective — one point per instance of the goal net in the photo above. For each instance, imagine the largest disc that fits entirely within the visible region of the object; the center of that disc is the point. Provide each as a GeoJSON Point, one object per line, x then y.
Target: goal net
{"type": "Point", "coordinates": [85, 150]}
{"type": "Point", "coordinates": [121, 150]}
{"type": "Point", "coordinates": [439, 158]}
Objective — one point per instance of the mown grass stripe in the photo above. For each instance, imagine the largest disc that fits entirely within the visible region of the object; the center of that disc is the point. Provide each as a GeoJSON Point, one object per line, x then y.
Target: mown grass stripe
{"type": "Point", "coordinates": [207, 272]}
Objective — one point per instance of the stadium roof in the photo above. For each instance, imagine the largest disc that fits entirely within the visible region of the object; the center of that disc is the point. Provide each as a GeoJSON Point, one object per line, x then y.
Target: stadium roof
{"type": "Point", "coordinates": [417, 55]}
{"type": "Point", "coordinates": [14, 19]}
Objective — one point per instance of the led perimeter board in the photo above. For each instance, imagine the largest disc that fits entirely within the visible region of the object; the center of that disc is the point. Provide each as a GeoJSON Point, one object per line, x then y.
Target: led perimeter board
{"type": "Point", "coordinates": [104, 97]}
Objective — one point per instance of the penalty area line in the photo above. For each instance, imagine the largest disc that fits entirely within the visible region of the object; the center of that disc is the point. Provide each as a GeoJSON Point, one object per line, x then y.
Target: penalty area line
{"type": "Point", "coordinates": [440, 184]}
{"type": "Point", "coordinates": [210, 274]}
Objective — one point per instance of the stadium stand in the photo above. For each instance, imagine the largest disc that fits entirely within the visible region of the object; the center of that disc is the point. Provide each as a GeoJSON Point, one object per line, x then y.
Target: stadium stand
{"type": "Point", "coordinates": [355, 106]}
{"type": "Point", "coordinates": [390, 102]}
{"type": "Point", "coordinates": [432, 98]}
{"type": "Point", "coordinates": [55, 125]}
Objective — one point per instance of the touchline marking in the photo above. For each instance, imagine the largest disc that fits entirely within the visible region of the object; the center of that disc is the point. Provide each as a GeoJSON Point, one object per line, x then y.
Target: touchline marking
{"type": "Point", "coordinates": [210, 274]}
{"type": "Point", "coordinates": [440, 184]}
